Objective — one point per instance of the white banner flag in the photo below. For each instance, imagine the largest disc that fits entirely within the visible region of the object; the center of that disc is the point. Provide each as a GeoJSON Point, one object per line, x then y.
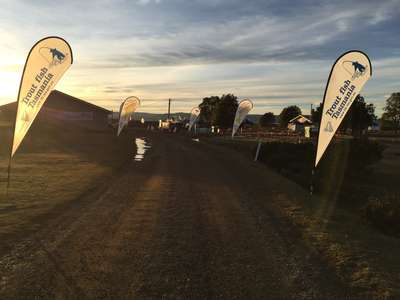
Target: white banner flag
{"type": "Point", "coordinates": [348, 76]}
{"type": "Point", "coordinates": [128, 107]}
{"type": "Point", "coordinates": [245, 106]}
{"type": "Point", "coordinates": [45, 65]}
{"type": "Point", "coordinates": [194, 115]}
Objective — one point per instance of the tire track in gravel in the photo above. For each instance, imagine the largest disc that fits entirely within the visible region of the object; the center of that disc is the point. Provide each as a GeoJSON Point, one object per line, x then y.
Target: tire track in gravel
{"type": "Point", "coordinates": [191, 221]}
{"type": "Point", "coordinates": [85, 257]}
{"type": "Point", "coordinates": [298, 270]}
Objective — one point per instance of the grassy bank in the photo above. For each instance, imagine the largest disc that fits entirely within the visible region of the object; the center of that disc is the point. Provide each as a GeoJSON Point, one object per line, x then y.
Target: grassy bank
{"type": "Point", "coordinates": [334, 221]}
{"type": "Point", "coordinates": [55, 165]}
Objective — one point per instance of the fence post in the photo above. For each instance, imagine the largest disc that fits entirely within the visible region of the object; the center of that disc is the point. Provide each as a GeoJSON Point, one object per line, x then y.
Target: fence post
{"type": "Point", "coordinates": [258, 150]}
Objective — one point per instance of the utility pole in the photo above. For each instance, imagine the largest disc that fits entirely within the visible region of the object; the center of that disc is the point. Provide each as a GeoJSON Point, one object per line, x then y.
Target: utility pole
{"type": "Point", "coordinates": [311, 110]}
{"type": "Point", "coordinates": [169, 108]}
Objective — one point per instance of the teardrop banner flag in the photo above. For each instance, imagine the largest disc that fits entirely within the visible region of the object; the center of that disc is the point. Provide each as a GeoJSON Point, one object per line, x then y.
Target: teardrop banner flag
{"type": "Point", "coordinates": [128, 107]}
{"type": "Point", "coordinates": [245, 106]}
{"type": "Point", "coordinates": [194, 115]}
{"type": "Point", "coordinates": [346, 80]}
{"type": "Point", "coordinates": [47, 62]}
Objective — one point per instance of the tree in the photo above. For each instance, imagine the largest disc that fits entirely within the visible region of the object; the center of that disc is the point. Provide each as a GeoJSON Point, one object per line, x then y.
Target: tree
{"type": "Point", "coordinates": [362, 115]}
{"type": "Point", "coordinates": [225, 111]}
{"type": "Point", "coordinates": [267, 119]}
{"type": "Point", "coordinates": [288, 113]}
{"type": "Point", "coordinates": [387, 123]}
{"type": "Point", "coordinates": [207, 108]}
{"type": "Point", "coordinates": [316, 114]}
{"type": "Point", "coordinates": [392, 111]}
{"type": "Point", "coordinates": [218, 111]}
{"type": "Point", "coordinates": [359, 117]}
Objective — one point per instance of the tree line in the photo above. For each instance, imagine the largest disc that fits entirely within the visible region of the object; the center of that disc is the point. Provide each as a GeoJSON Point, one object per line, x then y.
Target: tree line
{"type": "Point", "coordinates": [220, 111]}
{"type": "Point", "coordinates": [360, 116]}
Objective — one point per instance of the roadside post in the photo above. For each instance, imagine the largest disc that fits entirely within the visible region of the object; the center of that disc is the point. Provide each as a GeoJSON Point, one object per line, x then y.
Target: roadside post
{"type": "Point", "coordinates": [258, 150]}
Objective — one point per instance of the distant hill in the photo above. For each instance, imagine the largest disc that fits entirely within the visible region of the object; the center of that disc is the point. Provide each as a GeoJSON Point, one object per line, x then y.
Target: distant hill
{"type": "Point", "coordinates": [254, 118]}
{"type": "Point", "coordinates": [156, 117]}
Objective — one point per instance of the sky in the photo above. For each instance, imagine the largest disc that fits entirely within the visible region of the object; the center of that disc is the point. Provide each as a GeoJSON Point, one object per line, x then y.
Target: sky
{"type": "Point", "coordinates": [274, 52]}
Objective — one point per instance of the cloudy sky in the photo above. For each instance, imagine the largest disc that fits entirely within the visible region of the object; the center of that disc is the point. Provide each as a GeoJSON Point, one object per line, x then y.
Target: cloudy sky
{"type": "Point", "coordinates": [275, 52]}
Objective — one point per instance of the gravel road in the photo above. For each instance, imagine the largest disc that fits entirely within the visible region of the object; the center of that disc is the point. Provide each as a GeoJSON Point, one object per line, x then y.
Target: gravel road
{"type": "Point", "coordinates": [190, 221]}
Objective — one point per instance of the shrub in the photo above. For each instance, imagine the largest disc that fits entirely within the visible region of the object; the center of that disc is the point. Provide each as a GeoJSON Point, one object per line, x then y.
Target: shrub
{"type": "Point", "coordinates": [356, 155]}
{"type": "Point", "coordinates": [343, 159]}
{"type": "Point", "coordinates": [384, 213]}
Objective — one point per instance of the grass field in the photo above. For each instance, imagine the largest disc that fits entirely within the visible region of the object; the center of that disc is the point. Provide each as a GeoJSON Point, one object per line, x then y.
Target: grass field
{"type": "Point", "coordinates": [55, 164]}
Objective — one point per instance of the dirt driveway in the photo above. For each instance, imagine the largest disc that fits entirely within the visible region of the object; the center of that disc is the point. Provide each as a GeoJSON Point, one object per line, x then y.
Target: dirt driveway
{"type": "Point", "coordinates": [190, 221]}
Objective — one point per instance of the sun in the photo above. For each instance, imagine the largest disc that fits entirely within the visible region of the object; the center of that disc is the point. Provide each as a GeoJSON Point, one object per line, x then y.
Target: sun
{"type": "Point", "coordinates": [10, 76]}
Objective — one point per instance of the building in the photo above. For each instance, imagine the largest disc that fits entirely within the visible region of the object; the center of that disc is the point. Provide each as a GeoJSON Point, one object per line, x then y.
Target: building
{"type": "Point", "coordinates": [60, 107]}
{"type": "Point", "coordinates": [171, 125]}
{"type": "Point", "coordinates": [298, 123]}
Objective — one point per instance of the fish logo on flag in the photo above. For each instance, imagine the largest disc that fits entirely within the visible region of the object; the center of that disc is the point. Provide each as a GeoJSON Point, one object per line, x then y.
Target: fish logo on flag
{"type": "Point", "coordinates": [348, 76]}
{"type": "Point", "coordinates": [355, 69]}
{"type": "Point", "coordinates": [53, 56]}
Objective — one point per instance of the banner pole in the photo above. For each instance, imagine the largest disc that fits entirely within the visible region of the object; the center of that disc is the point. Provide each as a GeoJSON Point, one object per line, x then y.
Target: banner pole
{"type": "Point", "coordinates": [12, 139]}
{"type": "Point", "coordinates": [11, 148]}
{"type": "Point", "coordinates": [8, 176]}
{"type": "Point", "coordinates": [314, 152]}
{"type": "Point", "coordinates": [312, 182]}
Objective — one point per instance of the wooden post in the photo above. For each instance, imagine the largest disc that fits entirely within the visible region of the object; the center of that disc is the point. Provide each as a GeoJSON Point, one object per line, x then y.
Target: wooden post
{"type": "Point", "coordinates": [258, 150]}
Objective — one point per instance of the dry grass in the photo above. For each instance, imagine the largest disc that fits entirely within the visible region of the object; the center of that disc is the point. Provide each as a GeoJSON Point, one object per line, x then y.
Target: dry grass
{"type": "Point", "coordinates": [361, 255]}
{"type": "Point", "coordinates": [39, 182]}
{"type": "Point", "coordinates": [54, 166]}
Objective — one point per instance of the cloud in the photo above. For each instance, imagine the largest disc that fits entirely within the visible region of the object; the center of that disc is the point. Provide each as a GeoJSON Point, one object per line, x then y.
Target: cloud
{"type": "Point", "coordinates": [276, 52]}
{"type": "Point", "coordinates": [243, 38]}
{"type": "Point", "coordinates": [178, 32]}
{"type": "Point", "coordinates": [146, 2]}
